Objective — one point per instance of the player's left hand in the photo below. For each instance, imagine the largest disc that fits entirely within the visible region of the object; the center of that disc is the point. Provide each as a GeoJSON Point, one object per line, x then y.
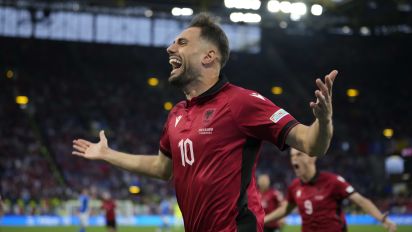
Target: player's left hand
{"type": "Point", "coordinates": [389, 225]}
{"type": "Point", "coordinates": [322, 108]}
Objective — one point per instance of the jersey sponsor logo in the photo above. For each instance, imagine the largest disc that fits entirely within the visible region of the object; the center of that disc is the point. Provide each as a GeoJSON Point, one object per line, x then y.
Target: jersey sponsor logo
{"type": "Point", "coordinates": [278, 115]}
{"type": "Point", "coordinates": [205, 131]}
{"type": "Point", "coordinates": [208, 116]}
{"type": "Point", "coordinates": [258, 96]}
{"type": "Point", "coordinates": [178, 119]}
{"type": "Point", "coordinates": [349, 189]}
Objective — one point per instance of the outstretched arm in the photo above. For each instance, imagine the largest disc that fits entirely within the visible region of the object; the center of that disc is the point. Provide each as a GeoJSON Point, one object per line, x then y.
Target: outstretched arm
{"type": "Point", "coordinates": [315, 139]}
{"type": "Point", "coordinates": [157, 166]}
{"type": "Point", "coordinates": [371, 209]}
{"type": "Point", "coordinates": [284, 209]}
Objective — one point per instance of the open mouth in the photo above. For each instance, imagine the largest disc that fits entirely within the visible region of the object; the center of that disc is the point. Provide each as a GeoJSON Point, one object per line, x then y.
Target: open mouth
{"type": "Point", "coordinates": [295, 166]}
{"type": "Point", "coordinates": [176, 62]}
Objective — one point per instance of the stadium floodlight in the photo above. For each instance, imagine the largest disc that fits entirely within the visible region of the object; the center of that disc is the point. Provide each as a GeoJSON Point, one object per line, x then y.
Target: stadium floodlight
{"type": "Point", "coordinates": [186, 11]}
{"type": "Point", "coordinates": [388, 132]}
{"type": "Point", "coordinates": [176, 11]}
{"type": "Point", "coordinates": [352, 92]}
{"type": "Point", "coordinates": [247, 17]}
{"type": "Point", "coordinates": [252, 18]}
{"type": "Point", "coordinates": [283, 24]}
{"type": "Point", "coordinates": [168, 105]}
{"type": "Point", "coordinates": [22, 100]}
{"type": "Point", "coordinates": [134, 189]}
{"type": "Point", "coordinates": [9, 74]}
{"type": "Point", "coordinates": [295, 17]}
{"type": "Point", "coordinates": [365, 31]}
{"type": "Point", "coordinates": [243, 4]}
{"type": "Point", "coordinates": [277, 90]}
{"type": "Point", "coordinates": [148, 13]}
{"type": "Point", "coordinates": [285, 7]}
{"type": "Point", "coordinates": [273, 6]}
{"type": "Point", "coordinates": [316, 9]}
{"type": "Point", "coordinates": [298, 8]}
{"type": "Point", "coordinates": [346, 30]}
{"type": "Point", "coordinates": [236, 17]}
{"type": "Point", "coordinates": [153, 81]}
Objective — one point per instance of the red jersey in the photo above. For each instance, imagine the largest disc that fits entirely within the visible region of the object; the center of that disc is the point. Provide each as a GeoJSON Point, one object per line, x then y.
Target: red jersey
{"type": "Point", "coordinates": [109, 207]}
{"type": "Point", "coordinates": [270, 200]}
{"type": "Point", "coordinates": [213, 141]}
{"type": "Point", "coordinates": [319, 202]}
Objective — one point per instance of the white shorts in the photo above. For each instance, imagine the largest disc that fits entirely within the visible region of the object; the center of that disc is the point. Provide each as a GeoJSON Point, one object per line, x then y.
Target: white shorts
{"type": "Point", "coordinates": [84, 219]}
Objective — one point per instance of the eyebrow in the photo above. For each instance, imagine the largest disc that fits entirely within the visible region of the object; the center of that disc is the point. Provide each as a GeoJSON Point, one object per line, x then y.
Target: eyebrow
{"type": "Point", "coordinates": [181, 39]}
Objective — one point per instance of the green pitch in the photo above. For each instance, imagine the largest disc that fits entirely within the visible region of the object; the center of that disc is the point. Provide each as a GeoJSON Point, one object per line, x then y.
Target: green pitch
{"type": "Point", "coordinates": [153, 229]}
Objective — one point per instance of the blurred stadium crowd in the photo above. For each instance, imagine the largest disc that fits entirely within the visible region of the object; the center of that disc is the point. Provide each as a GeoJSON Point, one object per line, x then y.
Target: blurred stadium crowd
{"type": "Point", "coordinates": [77, 89]}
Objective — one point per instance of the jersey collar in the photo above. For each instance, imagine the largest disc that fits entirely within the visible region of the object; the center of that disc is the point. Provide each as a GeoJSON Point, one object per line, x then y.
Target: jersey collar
{"type": "Point", "coordinates": [209, 93]}
{"type": "Point", "coordinates": [313, 180]}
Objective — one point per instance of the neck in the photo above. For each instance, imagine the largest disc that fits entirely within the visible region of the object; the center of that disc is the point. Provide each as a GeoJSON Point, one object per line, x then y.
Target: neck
{"type": "Point", "coordinates": [309, 174]}
{"type": "Point", "coordinates": [200, 85]}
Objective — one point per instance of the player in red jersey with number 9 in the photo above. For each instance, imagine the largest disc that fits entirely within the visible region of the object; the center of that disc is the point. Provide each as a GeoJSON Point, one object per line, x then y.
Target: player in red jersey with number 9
{"type": "Point", "coordinates": [318, 196]}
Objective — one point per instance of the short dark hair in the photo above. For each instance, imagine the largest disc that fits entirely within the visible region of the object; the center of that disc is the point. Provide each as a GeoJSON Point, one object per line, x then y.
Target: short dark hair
{"type": "Point", "coordinates": [212, 32]}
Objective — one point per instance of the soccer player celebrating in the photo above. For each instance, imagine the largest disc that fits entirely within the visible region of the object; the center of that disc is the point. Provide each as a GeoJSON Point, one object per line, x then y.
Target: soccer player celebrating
{"type": "Point", "coordinates": [271, 199]}
{"type": "Point", "coordinates": [211, 140]}
{"type": "Point", "coordinates": [318, 196]}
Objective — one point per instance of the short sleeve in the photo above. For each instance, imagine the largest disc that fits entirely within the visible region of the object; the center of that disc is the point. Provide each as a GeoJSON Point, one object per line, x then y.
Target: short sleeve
{"type": "Point", "coordinates": [342, 188]}
{"type": "Point", "coordinates": [164, 145]}
{"type": "Point", "coordinates": [260, 118]}
{"type": "Point", "coordinates": [278, 196]}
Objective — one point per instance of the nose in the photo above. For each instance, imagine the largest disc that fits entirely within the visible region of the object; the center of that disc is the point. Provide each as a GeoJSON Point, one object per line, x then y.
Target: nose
{"type": "Point", "coordinates": [171, 49]}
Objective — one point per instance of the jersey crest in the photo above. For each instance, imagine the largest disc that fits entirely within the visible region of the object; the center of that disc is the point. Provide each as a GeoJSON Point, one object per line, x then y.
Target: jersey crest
{"type": "Point", "coordinates": [208, 116]}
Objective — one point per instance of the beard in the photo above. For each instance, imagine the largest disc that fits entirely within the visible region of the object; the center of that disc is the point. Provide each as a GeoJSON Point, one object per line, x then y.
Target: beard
{"type": "Point", "coordinates": [184, 78]}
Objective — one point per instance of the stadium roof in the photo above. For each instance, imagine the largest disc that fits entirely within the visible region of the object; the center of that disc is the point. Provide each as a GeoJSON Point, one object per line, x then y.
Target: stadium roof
{"type": "Point", "coordinates": [336, 13]}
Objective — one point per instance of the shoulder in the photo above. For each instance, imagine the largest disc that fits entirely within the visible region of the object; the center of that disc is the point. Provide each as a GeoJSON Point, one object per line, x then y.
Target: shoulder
{"type": "Point", "coordinates": [246, 101]}
{"type": "Point", "coordinates": [294, 184]}
{"type": "Point", "coordinates": [238, 94]}
{"type": "Point", "coordinates": [332, 177]}
{"type": "Point", "coordinates": [178, 106]}
{"type": "Point", "coordinates": [175, 110]}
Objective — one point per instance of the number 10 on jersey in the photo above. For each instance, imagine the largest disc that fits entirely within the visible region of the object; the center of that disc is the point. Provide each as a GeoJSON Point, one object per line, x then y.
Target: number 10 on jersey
{"type": "Point", "coordinates": [186, 152]}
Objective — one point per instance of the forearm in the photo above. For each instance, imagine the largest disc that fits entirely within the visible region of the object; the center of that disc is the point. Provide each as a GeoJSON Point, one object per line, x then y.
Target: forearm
{"type": "Point", "coordinates": [314, 139]}
{"type": "Point", "coordinates": [147, 165]}
{"type": "Point", "coordinates": [371, 209]}
{"type": "Point", "coordinates": [318, 137]}
{"type": "Point", "coordinates": [279, 213]}
{"type": "Point", "coordinates": [275, 215]}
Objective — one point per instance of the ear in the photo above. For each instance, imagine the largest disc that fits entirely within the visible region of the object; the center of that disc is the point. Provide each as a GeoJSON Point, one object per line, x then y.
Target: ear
{"type": "Point", "coordinates": [209, 57]}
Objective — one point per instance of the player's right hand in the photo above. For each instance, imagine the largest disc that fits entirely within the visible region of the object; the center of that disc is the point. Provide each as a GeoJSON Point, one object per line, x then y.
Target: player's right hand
{"type": "Point", "coordinates": [91, 150]}
{"type": "Point", "coordinates": [389, 225]}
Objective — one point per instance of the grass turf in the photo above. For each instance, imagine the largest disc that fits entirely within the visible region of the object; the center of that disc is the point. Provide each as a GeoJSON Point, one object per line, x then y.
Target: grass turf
{"type": "Point", "coordinates": [153, 229]}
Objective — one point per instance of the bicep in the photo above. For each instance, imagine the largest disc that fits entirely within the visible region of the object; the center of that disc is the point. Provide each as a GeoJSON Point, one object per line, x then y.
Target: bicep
{"type": "Point", "coordinates": [164, 165]}
{"type": "Point", "coordinates": [356, 198]}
